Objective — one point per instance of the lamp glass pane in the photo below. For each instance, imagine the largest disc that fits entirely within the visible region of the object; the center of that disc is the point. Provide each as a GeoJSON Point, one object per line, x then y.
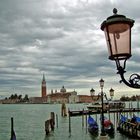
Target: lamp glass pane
{"type": "Point", "coordinates": [111, 93]}
{"type": "Point", "coordinates": [101, 83]}
{"type": "Point", "coordinates": [118, 40]}
{"type": "Point", "coordinates": [92, 92]}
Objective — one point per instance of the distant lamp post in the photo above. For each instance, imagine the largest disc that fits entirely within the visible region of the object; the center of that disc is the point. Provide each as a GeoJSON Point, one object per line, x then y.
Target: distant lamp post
{"type": "Point", "coordinates": [102, 95]}
{"type": "Point", "coordinates": [102, 114]}
{"type": "Point", "coordinates": [92, 93]}
{"type": "Point", "coordinates": [111, 93]}
{"type": "Point", "coordinates": [117, 29]}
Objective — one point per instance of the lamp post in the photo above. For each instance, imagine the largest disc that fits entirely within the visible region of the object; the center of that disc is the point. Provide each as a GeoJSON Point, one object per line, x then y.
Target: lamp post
{"type": "Point", "coordinates": [117, 29]}
{"type": "Point", "coordinates": [102, 113]}
{"type": "Point", "coordinates": [102, 94]}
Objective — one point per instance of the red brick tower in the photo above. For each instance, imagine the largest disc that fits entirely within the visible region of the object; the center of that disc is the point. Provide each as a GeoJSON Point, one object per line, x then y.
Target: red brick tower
{"type": "Point", "coordinates": [43, 88]}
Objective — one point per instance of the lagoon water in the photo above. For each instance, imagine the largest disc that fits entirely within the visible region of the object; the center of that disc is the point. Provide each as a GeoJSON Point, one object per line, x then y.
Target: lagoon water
{"type": "Point", "coordinates": [29, 123]}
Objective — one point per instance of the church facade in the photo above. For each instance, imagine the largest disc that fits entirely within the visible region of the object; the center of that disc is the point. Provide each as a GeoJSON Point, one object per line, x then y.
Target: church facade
{"type": "Point", "coordinates": [63, 96]}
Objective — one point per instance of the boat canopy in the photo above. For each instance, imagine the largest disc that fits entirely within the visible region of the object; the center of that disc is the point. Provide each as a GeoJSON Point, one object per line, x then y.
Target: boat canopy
{"type": "Point", "coordinates": [91, 120]}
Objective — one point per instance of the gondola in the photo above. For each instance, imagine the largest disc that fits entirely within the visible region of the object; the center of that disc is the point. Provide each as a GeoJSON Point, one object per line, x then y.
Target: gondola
{"type": "Point", "coordinates": [108, 126]}
{"type": "Point", "coordinates": [129, 126]}
{"type": "Point", "coordinates": [92, 126]}
{"type": "Point", "coordinates": [135, 119]}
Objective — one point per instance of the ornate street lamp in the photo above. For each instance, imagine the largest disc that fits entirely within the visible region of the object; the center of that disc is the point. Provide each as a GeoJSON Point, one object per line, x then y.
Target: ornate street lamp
{"type": "Point", "coordinates": [111, 93]}
{"type": "Point", "coordinates": [92, 93]}
{"type": "Point", "coordinates": [102, 113]}
{"type": "Point", "coordinates": [101, 83]}
{"type": "Point", "coordinates": [117, 29]}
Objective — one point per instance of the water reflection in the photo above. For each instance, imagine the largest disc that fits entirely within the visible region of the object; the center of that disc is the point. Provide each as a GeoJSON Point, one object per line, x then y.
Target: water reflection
{"type": "Point", "coordinates": [50, 136]}
{"type": "Point", "coordinates": [111, 136]}
{"type": "Point", "coordinates": [94, 137]}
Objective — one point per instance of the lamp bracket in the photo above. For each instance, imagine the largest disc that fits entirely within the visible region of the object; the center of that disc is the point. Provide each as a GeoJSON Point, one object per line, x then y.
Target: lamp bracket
{"type": "Point", "coordinates": [134, 79]}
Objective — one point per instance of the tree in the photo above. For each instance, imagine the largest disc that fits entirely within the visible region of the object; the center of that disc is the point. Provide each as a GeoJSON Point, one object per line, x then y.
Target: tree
{"type": "Point", "coordinates": [25, 99]}
{"type": "Point", "coordinates": [133, 98]}
{"type": "Point", "coordinates": [123, 98]}
{"type": "Point", "coordinates": [11, 97]}
{"type": "Point", "coordinates": [20, 97]}
{"type": "Point", "coordinates": [15, 96]}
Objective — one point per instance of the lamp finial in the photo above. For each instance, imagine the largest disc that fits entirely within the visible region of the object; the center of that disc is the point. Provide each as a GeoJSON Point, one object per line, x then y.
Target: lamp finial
{"type": "Point", "coordinates": [115, 11]}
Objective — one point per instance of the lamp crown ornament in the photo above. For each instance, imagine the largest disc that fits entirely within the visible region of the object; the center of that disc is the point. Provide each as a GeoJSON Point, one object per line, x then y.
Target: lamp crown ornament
{"type": "Point", "coordinates": [115, 11]}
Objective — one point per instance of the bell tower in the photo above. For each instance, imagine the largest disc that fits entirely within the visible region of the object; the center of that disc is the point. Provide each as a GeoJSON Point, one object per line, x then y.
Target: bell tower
{"type": "Point", "coordinates": [43, 87]}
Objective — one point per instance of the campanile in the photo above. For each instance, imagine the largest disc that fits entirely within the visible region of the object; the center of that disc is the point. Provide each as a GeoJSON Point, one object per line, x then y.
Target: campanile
{"type": "Point", "coordinates": [43, 87]}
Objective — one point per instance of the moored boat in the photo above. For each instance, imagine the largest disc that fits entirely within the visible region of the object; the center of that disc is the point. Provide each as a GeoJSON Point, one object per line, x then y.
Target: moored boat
{"type": "Point", "coordinates": [97, 106]}
{"type": "Point", "coordinates": [108, 126]}
{"type": "Point", "coordinates": [129, 126]}
{"type": "Point", "coordinates": [106, 105]}
{"type": "Point", "coordinates": [92, 126]}
{"type": "Point", "coordinates": [135, 119]}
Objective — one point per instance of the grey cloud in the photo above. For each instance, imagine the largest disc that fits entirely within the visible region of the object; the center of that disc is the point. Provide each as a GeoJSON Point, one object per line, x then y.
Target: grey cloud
{"type": "Point", "coordinates": [61, 39]}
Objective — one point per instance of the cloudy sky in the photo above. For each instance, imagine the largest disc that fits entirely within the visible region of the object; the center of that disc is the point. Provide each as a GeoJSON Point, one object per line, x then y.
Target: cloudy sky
{"type": "Point", "coordinates": [63, 40]}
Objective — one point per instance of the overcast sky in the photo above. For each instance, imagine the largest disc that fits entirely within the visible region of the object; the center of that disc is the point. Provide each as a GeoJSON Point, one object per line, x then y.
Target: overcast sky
{"type": "Point", "coordinates": [63, 40]}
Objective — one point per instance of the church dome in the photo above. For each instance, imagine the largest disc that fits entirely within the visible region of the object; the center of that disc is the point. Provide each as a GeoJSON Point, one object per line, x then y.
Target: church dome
{"type": "Point", "coordinates": [63, 90]}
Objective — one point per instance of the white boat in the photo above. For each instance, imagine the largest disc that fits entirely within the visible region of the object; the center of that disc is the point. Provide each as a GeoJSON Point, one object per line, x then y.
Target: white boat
{"type": "Point", "coordinates": [116, 104]}
{"type": "Point", "coordinates": [98, 105]}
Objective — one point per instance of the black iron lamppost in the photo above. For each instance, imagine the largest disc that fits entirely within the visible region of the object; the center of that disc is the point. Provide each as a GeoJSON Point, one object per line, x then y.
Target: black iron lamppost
{"type": "Point", "coordinates": [102, 94]}
{"type": "Point", "coordinates": [117, 29]}
{"type": "Point", "coordinates": [102, 113]}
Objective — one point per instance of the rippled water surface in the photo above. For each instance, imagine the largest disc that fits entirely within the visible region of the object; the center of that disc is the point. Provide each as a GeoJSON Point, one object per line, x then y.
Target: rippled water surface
{"type": "Point", "coordinates": [29, 121]}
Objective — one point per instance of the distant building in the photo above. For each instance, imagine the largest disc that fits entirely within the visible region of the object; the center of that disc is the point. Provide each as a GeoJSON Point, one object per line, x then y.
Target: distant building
{"type": "Point", "coordinates": [43, 98]}
{"type": "Point", "coordinates": [87, 98]}
{"type": "Point", "coordinates": [38, 100]}
{"type": "Point", "coordinates": [69, 97]}
{"type": "Point", "coordinates": [73, 98]}
{"type": "Point", "coordinates": [62, 96]}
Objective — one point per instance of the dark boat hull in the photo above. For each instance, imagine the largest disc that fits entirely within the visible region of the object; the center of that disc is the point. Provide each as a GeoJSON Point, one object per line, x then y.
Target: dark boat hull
{"type": "Point", "coordinates": [110, 129]}
{"type": "Point", "coordinates": [93, 130]}
{"type": "Point", "coordinates": [92, 126]}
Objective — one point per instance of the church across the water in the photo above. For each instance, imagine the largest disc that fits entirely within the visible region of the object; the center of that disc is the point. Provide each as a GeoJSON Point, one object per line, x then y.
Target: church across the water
{"type": "Point", "coordinates": [60, 96]}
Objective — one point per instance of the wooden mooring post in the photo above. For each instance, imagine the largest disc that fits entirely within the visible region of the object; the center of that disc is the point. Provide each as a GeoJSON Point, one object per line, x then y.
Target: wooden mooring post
{"type": "Point", "coordinates": [69, 123]}
{"type": "Point", "coordinates": [13, 136]}
{"type": "Point", "coordinates": [47, 127]}
{"type": "Point", "coordinates": [86, 122]}
{"type": "Point", "coordinates": [50, 123]}
{"type": "Point", "coordinates": [96, 117]}
{"type": "Point", "coordinates": [114, 118]}
{"type": "Point", "coordinates": [63, 110]}
{"type": "Point", "coordinates": [56, 120]}
{"type": "Point", "coordinates": [82, 119]}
